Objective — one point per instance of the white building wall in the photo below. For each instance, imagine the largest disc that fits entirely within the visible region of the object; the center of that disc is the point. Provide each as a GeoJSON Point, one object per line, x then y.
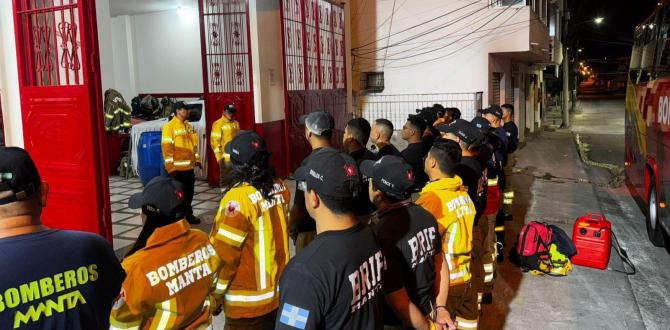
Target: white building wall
{"type": "Point", "coordinates": [105, 44]}
{"type": "Point", "coordinates": [123, 56]}
{"type": "Point", "coordinates": [9, 78]}
{"type": "Point", "coordinates": [267, 60]}
{"type": "Point", "coordinates": [167, 52]}
{"type": "Point", "coordinates": [454, 58]}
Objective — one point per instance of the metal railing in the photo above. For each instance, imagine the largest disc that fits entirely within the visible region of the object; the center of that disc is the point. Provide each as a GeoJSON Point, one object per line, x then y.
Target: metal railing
{"type": "Point", "coordinates": [396, 108]}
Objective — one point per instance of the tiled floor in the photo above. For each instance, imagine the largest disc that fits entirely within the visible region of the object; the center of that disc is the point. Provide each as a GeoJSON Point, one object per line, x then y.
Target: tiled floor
{"type": "Point", "coordinates": [126, 222]}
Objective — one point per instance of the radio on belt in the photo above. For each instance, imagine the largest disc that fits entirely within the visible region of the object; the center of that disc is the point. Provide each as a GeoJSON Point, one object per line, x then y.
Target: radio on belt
{"type": "Point", "coordinates": [592, 235]}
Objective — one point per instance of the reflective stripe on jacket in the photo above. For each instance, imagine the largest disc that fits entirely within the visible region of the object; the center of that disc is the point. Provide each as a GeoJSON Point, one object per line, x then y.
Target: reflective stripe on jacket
{"type": "Point", "coordinates": [251, 237]}
{"type": "Point", "coordinates": [169, 282]}
{"type": "Point", "coordinates": [180, 145]}
{"type": "Point", "coordinates": [455, 213]}
{"type": "Point", "coordinates": [223, 131]}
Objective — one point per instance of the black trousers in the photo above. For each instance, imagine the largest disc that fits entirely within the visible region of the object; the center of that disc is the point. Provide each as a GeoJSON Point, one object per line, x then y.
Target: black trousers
{"type": "Point", "coordinates": [187, 179]}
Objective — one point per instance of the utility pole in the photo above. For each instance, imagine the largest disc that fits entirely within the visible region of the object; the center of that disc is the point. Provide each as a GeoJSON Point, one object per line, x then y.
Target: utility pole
{"type": "Point", "coordinates": [566, 67]}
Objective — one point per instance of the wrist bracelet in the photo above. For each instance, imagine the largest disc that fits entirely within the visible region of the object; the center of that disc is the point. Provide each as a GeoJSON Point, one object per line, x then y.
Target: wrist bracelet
{"type": "Point", "coordinates": [441, 306]}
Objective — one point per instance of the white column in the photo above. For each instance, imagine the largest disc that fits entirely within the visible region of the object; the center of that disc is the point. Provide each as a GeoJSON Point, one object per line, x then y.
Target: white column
{"type": "Point", "coordinates": [105, 45]}
{"type": "Point", "coordinates": [9, 78]}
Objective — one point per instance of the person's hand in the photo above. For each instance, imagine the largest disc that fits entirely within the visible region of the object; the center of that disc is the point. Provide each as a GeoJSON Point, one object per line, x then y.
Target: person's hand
{"type": "Point", "coordinates": [444, 319]}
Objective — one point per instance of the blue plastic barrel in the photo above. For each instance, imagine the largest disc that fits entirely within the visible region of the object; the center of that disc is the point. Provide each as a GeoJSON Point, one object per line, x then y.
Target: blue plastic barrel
{"type": "Point", "coordinates": [150, 156]}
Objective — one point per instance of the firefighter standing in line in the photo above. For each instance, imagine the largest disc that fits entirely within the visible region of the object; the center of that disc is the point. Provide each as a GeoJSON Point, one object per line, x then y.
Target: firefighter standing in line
{"type": "Point", "coordinates": [180, 152]}
{"type": "Point", "coordinates": [512, 133]}
{"type": "Point", "coordinates": [486, 155]}
{"type": "Point", "coordinates": [223, 131]}
{"type": "Point", "coordinates": [250, 234]}
{"type": "Point", "coordinates": [494, 115]}
{"type": "Point", "coordinates": [319, 127]}
{"type": "Point", "coordinates": [171, 268]}
{"type": "Point", "coordinates": [445, 198]}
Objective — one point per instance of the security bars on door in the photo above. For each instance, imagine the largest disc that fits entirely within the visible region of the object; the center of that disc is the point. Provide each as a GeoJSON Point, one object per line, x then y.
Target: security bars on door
{"type": "Point", "coordinates": [49, 32]}
{"type": "Point", "coordinates": [314, 45]}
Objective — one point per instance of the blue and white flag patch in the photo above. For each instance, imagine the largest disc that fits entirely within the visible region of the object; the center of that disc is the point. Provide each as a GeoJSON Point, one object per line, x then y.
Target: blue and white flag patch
{"type": "Point", "coordinates": [294, 316]}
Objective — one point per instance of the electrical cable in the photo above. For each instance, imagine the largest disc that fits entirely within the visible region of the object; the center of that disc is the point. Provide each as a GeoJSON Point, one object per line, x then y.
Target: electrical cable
{"type": "Point", "coordinates": [417, 25]}
{"type": "Point", "coordinates": [420, 34]}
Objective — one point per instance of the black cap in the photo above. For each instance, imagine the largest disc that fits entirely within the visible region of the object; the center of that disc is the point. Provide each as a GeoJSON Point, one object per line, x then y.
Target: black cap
{"type": "Point", "coordinates": [331, 173]}
{"type": "Point", "coordinates": [229, 108]}
{"type": "Point", "coordinates": [162, 195]}
{"type": "Point", "coordinates": [463, 129]}
{"type": "Point", "coordinates": [181, 105]}
{"type": "Point", "coordinates": [494, 110]}
{"type": "Point", "coordinates": [429, 115]}
{"type": "Point", "coordinates": [318, 122]}
{"type": "Point", "coordinates": [245, 147]}
{"type": "Point", "coordinates": [482, 124]}
{"type": "Point", "coordinates": [18, 174]}
{"type": "Point", "coordinates": [391, 174]}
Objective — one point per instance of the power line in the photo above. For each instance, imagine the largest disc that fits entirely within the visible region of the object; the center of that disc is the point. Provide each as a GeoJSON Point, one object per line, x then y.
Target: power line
{"type": "Point", "coordinates": [423, 33]}
{"type": "Point", "coordinates": [449, 44]}
{"type": "Point", "coordinates": [390, 27]}
{"type": "Point", "coordinates": [455, 51]}
{"type": "Point", "coordinates": [417, 25]}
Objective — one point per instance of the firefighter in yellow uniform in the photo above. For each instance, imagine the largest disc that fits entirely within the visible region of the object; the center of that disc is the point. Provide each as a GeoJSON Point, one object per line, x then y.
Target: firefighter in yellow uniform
{"type": "Point", "coordinates": [251, 236]}
{"type": "Point", "coordinates": [180, 153]}
{"type": "Point", "coordinates": [445, 198]}
{"type": "Point", "coordinates": [223, 131]}
{"type": "Point", "coordinates": [171, 269]}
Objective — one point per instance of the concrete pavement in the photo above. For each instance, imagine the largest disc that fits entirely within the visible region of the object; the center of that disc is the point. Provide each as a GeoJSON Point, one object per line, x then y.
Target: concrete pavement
{"type": "Point", "coordinates": [553, 185]}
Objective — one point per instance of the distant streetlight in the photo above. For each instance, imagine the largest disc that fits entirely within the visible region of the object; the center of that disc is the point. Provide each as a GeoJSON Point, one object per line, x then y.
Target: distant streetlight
{"type": "Point", "coordinates": [580, 50]}
{"type": "Point", "coordinates": [598, 20]}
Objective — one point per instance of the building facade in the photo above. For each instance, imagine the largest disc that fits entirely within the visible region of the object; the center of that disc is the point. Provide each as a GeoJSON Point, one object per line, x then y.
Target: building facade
{"type": "Point", "coordinates": [447, 48]}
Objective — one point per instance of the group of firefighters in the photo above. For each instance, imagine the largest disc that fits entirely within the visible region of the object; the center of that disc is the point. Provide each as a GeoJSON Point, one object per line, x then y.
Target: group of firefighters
{"type": "Point", "coordinates": [383, 240]}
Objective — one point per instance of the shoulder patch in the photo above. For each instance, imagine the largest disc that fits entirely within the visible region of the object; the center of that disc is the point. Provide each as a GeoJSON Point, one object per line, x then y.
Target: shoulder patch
{"type": "Point", "coordinates": [232, 209]}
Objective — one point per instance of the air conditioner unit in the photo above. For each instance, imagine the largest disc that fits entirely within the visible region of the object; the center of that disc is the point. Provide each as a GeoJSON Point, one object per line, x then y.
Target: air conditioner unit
{"type": "Point", "coordinates": [372, 82]}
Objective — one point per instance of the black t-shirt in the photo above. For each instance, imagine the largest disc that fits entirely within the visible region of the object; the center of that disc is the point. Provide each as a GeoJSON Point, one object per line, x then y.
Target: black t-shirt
{"type": "Point", "coordinates": [428, 140]}
{"type": "Point", "coordinates": [334, 283]}
{"type": "Point", "coordinates": [414, 154]}
{"type": "Point", "coordinates": [512, 132]}
{"type": "Point", "coordinates": [410, 240]}
{"type": "Point", "coordinates": [57, 279]}
{"type": "Point", "coordinates": [471, 172]}
{"type": "Point", "coordinates": [363, 205]}
{"type": "Point", "coordinates": [388, 149]}
{"type": "Point", "coordinates": [307, 223]}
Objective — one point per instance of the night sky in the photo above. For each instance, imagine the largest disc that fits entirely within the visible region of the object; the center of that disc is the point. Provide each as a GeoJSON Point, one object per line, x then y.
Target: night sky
{"type": "Point", "coordinates": [614, 36]}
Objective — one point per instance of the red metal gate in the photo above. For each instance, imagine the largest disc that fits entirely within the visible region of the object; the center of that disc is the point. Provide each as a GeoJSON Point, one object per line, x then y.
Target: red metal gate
{"type": "Point", "coordinates": [61, 105]}
{"type": "Point", "coordinates": [314, 67]}
{"type": "Point", "coordinates": [226, 65]}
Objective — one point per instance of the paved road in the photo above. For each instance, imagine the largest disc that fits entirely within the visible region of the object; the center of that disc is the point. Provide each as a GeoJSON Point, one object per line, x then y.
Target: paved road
{"type": "Point", "coordinates": [553, 185]}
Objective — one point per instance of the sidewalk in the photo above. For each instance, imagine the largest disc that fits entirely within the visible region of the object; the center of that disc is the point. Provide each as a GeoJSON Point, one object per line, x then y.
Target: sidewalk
{"type": "Point", "coordinates": [552, 185]}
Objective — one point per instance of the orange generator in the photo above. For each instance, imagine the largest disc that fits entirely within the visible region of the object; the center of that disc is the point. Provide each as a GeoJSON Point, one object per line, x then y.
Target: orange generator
{"type": "Point", "coordinates": [592, 235]}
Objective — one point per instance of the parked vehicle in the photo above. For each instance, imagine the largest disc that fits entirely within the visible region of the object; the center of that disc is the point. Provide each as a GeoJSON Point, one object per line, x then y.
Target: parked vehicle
{"type": "Point", "coordinates": [647, 153]}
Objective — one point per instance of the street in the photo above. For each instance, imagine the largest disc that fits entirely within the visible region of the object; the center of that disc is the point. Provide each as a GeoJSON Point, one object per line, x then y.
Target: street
{"type": "Point", "coordinates": [552, 184]}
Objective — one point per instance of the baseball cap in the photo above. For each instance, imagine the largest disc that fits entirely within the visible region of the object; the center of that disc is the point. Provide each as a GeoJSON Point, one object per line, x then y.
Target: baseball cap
{"type": "Point", "coordinates": [463, 129]}
{"type": "Point", "coordinates": [245, 146]}
{"type": "Point", "coordinates": [331, 173]}
{"type": "Point", "coordinates": [318, 122]}
{"type": "Point", "coordinates": [482, 124]}
{"type": "Point", "coordinates": [181, 105]}
{"type": "Point", "coordinates": [229, 108]}
{"type": "Point", "coordinates": [391, 174]}
{"type": "Point", "coordinates": [494, 110]}
{"type": "Point", "coordinates": [162, 195]}
{"type": "Point", "coordinates": [18, 174]}
{"type": "Point", "coordinates": [429, 115]}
